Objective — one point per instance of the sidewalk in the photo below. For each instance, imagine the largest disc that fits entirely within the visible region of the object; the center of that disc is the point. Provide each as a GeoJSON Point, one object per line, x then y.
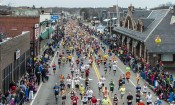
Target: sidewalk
{"type": "Point", "coordinates": [49, 63]}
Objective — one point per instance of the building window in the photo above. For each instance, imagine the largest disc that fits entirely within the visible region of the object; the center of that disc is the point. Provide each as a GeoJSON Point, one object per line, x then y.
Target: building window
{"type": "Point", "coordinates": [22, 58]}
{"type": "Point", "coordinates": [167, 57]}
{"type": "Point", "coordinates": [7, 77]}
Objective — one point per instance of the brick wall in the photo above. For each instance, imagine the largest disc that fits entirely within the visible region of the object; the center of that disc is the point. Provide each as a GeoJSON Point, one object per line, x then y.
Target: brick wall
{"type": "Point", "coordinates": [13, 25]}
{"type": "Point", "coordinates": [8, 48]}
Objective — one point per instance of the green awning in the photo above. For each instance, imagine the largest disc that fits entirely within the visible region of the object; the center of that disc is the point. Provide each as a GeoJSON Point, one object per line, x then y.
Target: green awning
{"type": "Point", "coordinates": [46, 33]}
{"type": "Point", "coordinates": [50, 30]}
{"type": "Point", "coordinates": [43, 23]}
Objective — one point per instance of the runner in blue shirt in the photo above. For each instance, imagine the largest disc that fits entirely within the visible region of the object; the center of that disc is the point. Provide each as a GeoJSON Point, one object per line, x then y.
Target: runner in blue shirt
{"type": "Point", "coordinates": [56, 91]}
{"type": "Point", "coordinates": [138, 88]}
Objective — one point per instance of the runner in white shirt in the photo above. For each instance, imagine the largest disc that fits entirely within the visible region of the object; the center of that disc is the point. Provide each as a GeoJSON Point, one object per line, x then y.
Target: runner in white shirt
{"type": "Point", "coordinates": [149, 98]}
{"type": "Point", "coordinates": [144, 90]}
{"type": "Point", "coordinates": [72, 64]}
{"type": "Point", "coordinates": [99, 87]}
{"type": "Point", "coordinates": [77, 72]}
{"type": "Point", "coordinates": [72, 71]}
{"type": "Point", "coordinates": [114, 67]}
{"type": "Point", "coordinates": [82, 70]}
{"type": "Point", "coordinates": [69, 82]}
{"type": "Point", "coordinates": [103, 79]}
{"type": "Point", "coordinates": [89, 94]}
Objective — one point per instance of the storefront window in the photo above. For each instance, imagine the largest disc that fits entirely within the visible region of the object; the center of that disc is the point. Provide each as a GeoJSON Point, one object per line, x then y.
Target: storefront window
{"type": "Point", "coordinates": [7, 77]}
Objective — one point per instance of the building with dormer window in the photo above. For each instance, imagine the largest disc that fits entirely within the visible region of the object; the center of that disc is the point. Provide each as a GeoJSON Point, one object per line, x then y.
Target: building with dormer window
{"type": "Point", "coordinates": [139, 29]}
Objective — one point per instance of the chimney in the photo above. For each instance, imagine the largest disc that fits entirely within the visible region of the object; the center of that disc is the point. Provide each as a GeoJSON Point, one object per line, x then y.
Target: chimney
{"type": "Point", "coordinates": [131, 8]}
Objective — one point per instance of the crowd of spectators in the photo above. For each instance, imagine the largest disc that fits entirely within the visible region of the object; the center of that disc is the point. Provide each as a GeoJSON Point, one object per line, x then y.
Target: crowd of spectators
{"type": "Point", "coordinates": [23, 91]}
{"type": "Point", "coordinates": [156, 76]}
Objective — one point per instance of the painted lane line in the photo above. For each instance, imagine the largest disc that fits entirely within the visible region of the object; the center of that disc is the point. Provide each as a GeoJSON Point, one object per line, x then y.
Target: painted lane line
{"type": "Point", "coordinates": [73, 83]}
{"type": "Point", "coordinates": [42, 82]}
{"type": "Point", "coordinates": [98, 76]}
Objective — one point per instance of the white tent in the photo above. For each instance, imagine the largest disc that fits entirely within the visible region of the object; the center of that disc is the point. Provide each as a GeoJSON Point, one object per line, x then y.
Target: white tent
{"type": "Point", "coordinates": [106, 20]}
{"type": "Point", "coordinates": [114, 18]}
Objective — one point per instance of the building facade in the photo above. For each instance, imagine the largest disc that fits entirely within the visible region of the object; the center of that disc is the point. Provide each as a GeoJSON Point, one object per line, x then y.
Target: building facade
{"type": "Point", "coordinates": [14, 53]}
{"type": "Point", "coordinates": [22, 20]}
{"type": "Point", "coordinates": [139, 29]}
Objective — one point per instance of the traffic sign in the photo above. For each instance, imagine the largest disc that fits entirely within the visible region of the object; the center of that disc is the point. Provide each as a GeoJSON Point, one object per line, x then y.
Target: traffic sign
{"type": "Point", "coordinates": [54, 17]}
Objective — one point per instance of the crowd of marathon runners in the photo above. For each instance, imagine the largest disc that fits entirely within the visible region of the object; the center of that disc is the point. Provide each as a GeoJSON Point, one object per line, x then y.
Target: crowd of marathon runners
{"type": "Point", "coordinates": [81, 51]}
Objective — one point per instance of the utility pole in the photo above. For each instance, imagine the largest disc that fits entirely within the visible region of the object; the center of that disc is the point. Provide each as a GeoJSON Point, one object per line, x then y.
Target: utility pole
{"type": "Point", "coordinates": [110, 22]}
{"type": "Point", "coordinates": [83, 15]}
{"type": "Point", "coordinates": [118, 17]}
{"type": "Point", "coordinates": [33, 47]}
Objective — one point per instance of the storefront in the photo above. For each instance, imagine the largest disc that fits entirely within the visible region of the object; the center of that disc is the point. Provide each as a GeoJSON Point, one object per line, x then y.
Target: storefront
{"type": "Point", "coordinates": [14, 54]}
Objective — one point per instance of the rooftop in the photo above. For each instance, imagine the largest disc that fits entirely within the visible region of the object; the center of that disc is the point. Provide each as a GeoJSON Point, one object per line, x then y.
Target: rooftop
{"type": "Point", "coordinates": [155, 22]}
{"type": "Point", "coordinates": [26, 12]}
{"type": "Point", "coordinates": [9, 38]}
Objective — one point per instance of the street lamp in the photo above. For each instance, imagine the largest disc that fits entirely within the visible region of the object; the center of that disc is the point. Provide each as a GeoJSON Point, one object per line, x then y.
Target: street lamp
{"type": "Point", "coordinates": [158, 40]}
{"type": "Point", "coordinates": [34, 27]}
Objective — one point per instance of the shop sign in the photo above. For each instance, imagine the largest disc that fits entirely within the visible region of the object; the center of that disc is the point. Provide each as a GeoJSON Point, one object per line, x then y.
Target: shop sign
{"type": "Point", "coordinates": [17, 54]}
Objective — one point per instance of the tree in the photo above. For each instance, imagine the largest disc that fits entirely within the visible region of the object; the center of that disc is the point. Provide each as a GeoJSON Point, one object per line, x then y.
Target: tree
{"type": "Point", "coordinates": [86, 13]}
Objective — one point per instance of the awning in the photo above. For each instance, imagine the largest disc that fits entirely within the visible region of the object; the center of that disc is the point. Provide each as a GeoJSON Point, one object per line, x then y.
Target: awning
{"type": "Point", "coordinates": [50, 30]}
{"type": "Point", "coordinates": [106, 20]}
{"type": "Point", "coordinates": [114, 18]}
{"type": "Point", "coordinates": [45, 34]}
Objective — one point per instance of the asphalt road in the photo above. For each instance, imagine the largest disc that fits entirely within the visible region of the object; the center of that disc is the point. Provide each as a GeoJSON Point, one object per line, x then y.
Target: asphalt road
{"type": "Point", "coordinates": [45, 94]}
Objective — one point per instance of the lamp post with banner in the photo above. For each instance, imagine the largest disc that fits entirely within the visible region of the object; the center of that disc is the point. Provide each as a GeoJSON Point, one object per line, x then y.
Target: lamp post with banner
{"type": "Point", "coordinates": [35, 37]}
{"type": "Point", "coordinates": [158, 40]}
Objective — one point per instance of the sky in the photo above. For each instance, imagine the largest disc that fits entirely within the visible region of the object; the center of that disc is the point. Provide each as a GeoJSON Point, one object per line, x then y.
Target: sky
{"type": "Point", "coordinates": [86, 3]}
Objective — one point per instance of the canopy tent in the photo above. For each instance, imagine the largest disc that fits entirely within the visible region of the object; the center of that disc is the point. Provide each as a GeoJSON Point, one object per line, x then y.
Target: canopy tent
{"type": "Point", "coordinates": [114, 18]}
{"type": "Point", "coordinates": [106, 20]}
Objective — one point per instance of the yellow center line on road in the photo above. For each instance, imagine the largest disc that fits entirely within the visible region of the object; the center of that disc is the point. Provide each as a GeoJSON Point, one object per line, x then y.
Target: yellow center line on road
{"type": "Point", "coordinates": [98, 75]}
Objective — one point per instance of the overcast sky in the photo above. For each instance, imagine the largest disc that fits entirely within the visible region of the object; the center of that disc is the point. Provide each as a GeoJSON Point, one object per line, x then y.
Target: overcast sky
{"type": "Point", "coordinates": [86, 3]}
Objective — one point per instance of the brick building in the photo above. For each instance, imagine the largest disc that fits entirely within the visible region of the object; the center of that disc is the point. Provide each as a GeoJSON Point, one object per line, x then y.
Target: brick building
{"type": "Point", "coordinates": [20, 20]}
{"type": "Point", "coordinates": [14, 53]}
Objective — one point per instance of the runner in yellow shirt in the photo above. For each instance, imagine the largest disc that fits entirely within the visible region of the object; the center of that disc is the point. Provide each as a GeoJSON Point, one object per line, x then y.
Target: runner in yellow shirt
{"type": "Point", "coordinates": [82, 90]}
{"type": "Point", "coordinates": [70, 58]}
{"type": "Point", "coordinates": [122, 92]}
{"type": "Point", "coordinates": [64, 60]}
{"type": "Point", "coordinates": [105, 101]}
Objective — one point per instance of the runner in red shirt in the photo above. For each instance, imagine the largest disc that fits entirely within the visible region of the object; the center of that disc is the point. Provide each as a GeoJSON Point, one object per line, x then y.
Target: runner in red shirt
{"type": "Point", "coordinates": [54, 68]}
{"type": "Point", "coordinates": [94, 100]}
{"type": "Point", "coordinates": [87, 73]}
{"type": "Point", "coordinates": [74, 100]}
{"type": "Point", "coordinates": [77, 61]}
